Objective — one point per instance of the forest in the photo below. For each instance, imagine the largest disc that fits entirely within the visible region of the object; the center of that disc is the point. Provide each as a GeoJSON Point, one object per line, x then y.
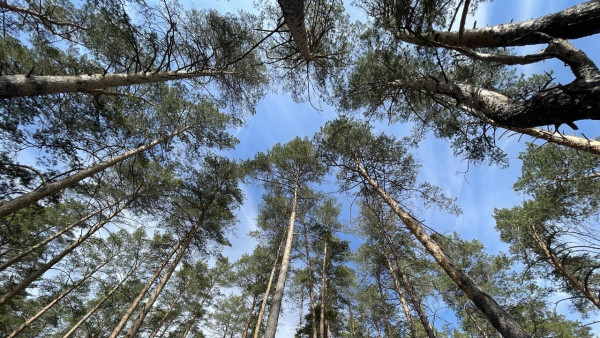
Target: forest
{"type": "Point", "coordinates": [158, 178]}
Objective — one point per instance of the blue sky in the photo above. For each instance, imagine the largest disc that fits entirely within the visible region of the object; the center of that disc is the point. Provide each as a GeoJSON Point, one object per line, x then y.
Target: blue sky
{"type": "Point", "coordinates": [279, 119]}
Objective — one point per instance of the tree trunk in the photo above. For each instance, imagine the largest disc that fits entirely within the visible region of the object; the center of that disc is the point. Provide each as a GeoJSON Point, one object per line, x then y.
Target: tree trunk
{"type": "Point", "coordinates": [104, 299]}
{"type": "Point", "coordinates": [409, 289]}
{"type": "Point", "coordinates": [572, 23]}
{"type": "Point", "coordinates": [140, 296]}
{"type": "Point", "coordinates": [388, 327]}
{"type": "Point", "coordinates": [405, 308]}
{"type": "Point", "coordinates": [310, 284]}
{"type": "Point", "coordinates": [249, 319]}
{"type": "Point", "coordinates": [285, 265]}
{"type": "Point", "coordinates": [301, 315]}
{"type": "Point", "coordinates": [556, 263]}
{"type": "Point", "coordinates": [497, 316]}
{"type": "Point", "coordinates": [190, 325]}
{"type": "Point", "coordinates": [137, 323]}
{"type": "Point", "coordinates": [171, 306]}
{"type": "Point", "coordinates": [24, 85]}
{"type": "Point", "coordinates": [36, 195]}
{"type": "Point", "coordinates": [32, 248]}
{"type": "Point", "coordinates": [323, 291]}
{"type": "Point", "coordinates": [352, 329]}
{"type": "Point", "coordinates": [267, 292]}
{"type": "Point", "coordinates": [293, 13]}
{"type": "Point", "coordinates": [27, 281]}
{"type": "Point", "coordinates": [56, 300]}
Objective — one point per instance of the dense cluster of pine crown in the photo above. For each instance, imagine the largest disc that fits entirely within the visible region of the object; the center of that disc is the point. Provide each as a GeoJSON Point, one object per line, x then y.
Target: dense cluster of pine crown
{"type": "Point", "coordinates": [116, 200]}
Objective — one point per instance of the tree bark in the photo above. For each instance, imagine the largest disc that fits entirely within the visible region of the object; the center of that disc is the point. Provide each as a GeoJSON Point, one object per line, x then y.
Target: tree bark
{"type": "Point", "coordinates": [24, 85]}
{"type": "Point", "coordinates": [190, 325]}
{"type": "Point", "coordinates": [293, 13]}
{"type": "Point", "coordinates": [54, 301]}
{"type": "Point", "coordinates": [575, 22]}
{"type": "Point", "coordinates": [323, 291]}
{"type": "Point", "coordinates": [414, 299]}
{"type": "Point", "coordinates": [27, 281]}
{"type": "Point", "coordinates": [556, 263]}
{"type": "Point", "coordinates": [142, 293]}
{"type": "Point", "coordinates": [249, 319]}
{"type": "Point", "coordinates": [267, 292]}
{"type": "Point", "coordinates": [273, 318]}
{"type": "Point", "coordinates": [104, 299]}
{"type": "Point", "coordinates": [497, 316]}
{"type": "Point", "coordinates": [310, 284]}
{"type": "Point", "coordinates": [388, 327]}
{"type": "Point", "coordinates": [137, 323]}
{"type": "Point", "coordinates": [36, 195]}
{"type": "Point", "coordinates": [405, 308]}
{"type": "Point", "coordinates": [169, 309]}
{"type": "Point", "coordinates": [575, 101]}
{"type": "Point", "coordinates": [32, 248]}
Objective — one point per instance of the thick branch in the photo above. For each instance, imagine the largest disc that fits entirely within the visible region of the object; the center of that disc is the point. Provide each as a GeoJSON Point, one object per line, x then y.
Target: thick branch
{"type": "Point", "coordinates": [23, 85]}
{"type": "Point", "coordinates": [572, 23]}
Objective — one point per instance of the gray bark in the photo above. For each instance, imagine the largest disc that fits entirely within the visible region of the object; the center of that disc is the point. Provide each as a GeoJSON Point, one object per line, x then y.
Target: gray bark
{"type": "Point", "coordinates": [24, 85]}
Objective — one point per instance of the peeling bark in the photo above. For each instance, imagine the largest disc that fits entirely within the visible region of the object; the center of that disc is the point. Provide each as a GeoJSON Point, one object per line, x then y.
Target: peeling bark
{"type": "Point", "coordinates": [24, 85]}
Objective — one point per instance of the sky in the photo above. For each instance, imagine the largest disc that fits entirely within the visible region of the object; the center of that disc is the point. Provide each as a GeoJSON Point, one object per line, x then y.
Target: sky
{"type": "Point", "coordinates": [478, 189]}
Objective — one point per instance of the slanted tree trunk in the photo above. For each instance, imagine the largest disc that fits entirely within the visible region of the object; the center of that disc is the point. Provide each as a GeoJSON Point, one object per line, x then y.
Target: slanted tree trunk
{"type": "Point", "coordinates": [142, 293]}
{"type": "Point", "coordinates": [323, 291]}
{"type": "Point", "coordinates": [310, 284]}
{"type": "Point", "coordinates": [293, 14]}
{"type": "Point", "coordinates": [405, 308]}
{"type": "Point", "coordinates": [54, 301]}
{"type": "Point", "coordinates": [169, 309]}
{"type": "Point", "coordinates": [104, 299]}
{"type": "Point", "coordinates": [408, 287]}
{"type": "Point", "coordinates": [32, 248]}
{"type": "Point", "coordinates": [285, 265]}
{"type": "Point", "coordinates": [137, 323]}
{"type": "Point", "coordinates": [388, 327]}
{"type": "Point", "coordinates": [27, 281]}
{"type": "Point", "coordinates": [24, 85]}
{"type": "Point", "coordinates": [190, 325]}
{"type": "Point", "coordinates": [250, 313]}
{"type": "Point", "coordinates": [572, 23]}
{"type": "Point", "coordinates": [267, 292]}
{"type": "Point", "coordinates": [556, 263]}
{"type": "Point", "coordinates": [49, 189]}
{"type": "Point", "coordinates": [497, 316]}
